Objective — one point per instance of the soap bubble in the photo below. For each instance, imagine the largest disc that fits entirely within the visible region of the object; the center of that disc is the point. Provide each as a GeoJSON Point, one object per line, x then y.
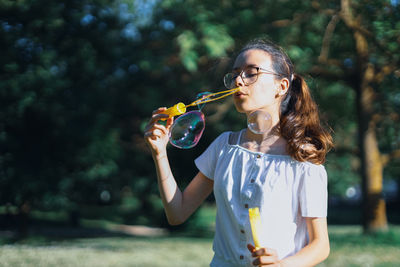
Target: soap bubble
{"type": "Point", "coordinates": [201, 96]}
{"type": "Point", "coordinates": [259, 122]}
{"type": "Point", "coordinates": [187, 130]}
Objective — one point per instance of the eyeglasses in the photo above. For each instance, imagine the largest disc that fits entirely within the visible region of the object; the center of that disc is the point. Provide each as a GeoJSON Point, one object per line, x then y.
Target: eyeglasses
{"type": "Point", "coordinates": [249, 75]}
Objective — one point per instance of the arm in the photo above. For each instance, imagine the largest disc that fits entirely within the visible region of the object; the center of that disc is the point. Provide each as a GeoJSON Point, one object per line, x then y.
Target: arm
{"type": "Point", "coordinates": [178, 206]}
{"type": "Point", "coordinates": [316, 251]}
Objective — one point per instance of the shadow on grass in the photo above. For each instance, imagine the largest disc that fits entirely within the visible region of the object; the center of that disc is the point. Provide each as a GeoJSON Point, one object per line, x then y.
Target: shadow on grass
{"type": "Point", "coordinates": [44, 231]}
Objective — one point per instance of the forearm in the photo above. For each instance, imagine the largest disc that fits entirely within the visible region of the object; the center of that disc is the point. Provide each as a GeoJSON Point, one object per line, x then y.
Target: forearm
{"type": "Point", "coordinates": [169, 191]}
{"type": "Point", "coordinates": [312, 254]}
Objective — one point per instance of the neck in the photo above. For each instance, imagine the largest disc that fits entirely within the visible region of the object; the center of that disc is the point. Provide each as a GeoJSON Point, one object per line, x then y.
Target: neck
{"type": "Point", "coordinates": [273, 111]}
{"type": "Point", "coordinates": [269, 143]}
{"type": "Point", "coordinates": [264, 137]}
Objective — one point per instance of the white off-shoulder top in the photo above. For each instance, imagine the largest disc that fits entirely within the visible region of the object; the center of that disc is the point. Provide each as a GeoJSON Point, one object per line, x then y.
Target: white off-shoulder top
{"type": "Point", "coordinates": [285, 190]}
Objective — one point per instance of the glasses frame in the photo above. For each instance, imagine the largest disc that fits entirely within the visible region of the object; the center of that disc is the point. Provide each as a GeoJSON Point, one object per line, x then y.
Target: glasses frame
{"type": "Point", "coordinates": [265, 71]}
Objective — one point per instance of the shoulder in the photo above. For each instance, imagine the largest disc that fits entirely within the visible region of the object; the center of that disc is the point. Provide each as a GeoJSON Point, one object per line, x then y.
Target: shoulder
{"type": "Point", "coordinates": [306, 165]}
{"type": "Point", "coordinates": [223, 137]}
{"type": "Point", "coordinates": [228, 137]}
{"type": "Point", "coordinates": [220, 141]}
{"type": "Point", "coordinates": [308, 170]}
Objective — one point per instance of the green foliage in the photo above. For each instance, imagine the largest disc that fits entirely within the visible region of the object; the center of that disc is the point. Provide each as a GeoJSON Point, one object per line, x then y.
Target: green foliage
{"type": "Point", "coordinates": [59, 139]}
{"type": "Point", "coordinates": [79, 80]}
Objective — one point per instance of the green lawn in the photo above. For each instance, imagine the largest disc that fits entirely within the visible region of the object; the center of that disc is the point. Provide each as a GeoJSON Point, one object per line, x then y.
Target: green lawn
{"type": "Point", "coordinates": [67, 247]}
{"type": "Point", "coordinates": [348, 248]}
{"type": "Point", "coordinates": [110, 252]}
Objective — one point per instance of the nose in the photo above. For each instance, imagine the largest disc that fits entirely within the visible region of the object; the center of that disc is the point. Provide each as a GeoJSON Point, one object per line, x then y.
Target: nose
{"type": "Point", "coordinates": [239, 81]}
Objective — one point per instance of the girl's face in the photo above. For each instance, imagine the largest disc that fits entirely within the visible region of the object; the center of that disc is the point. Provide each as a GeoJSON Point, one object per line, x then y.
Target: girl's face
{"type": "Point", "coordinates": [263, 94]}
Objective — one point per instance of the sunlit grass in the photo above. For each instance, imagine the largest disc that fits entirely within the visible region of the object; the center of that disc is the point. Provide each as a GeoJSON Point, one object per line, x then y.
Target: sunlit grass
{"type": "Point", "coordinates": [110, 252]}
{"type": "Point", "coordinates": [349, 247]}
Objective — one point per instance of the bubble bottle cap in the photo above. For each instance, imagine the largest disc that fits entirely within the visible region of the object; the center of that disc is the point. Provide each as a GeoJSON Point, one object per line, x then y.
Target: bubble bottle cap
{"type": "Point", "coordinates": [175, 110]}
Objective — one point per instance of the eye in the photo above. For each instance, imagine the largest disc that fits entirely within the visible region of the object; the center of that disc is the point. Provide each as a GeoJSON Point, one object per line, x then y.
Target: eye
{"type": "Point", "coordinates": [234, 75]}
{"type": "Point", "coordinates": [250, 72]}
{"type": "Point", "coordinates": [249, 75]}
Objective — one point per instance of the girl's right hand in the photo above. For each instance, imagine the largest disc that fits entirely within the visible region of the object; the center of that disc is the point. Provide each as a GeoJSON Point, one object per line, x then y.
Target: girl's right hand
{"type": "Point", "coordinates": [264, 256]}
{"type": "Point", "coordinates": [156, 135]}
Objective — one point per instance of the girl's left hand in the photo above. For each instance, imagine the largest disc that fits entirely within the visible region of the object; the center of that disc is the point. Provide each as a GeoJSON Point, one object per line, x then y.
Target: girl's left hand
{"type": "Point", "coordinates": [264, 256]}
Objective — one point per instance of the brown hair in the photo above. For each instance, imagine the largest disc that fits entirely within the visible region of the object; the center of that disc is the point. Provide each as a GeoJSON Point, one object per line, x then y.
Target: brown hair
{"type": "Point", "coordinates": [299, 122]}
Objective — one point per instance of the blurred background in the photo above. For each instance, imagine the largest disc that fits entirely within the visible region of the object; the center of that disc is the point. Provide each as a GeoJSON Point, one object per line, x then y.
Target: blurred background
{"type": "Point", "coordinates": [78, 83]}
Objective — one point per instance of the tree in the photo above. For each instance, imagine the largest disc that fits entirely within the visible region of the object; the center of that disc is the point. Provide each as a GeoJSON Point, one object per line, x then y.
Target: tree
{"type": "Point", "coordinates": [376, 58]}
{"type": "Point", "coordinates": [59, 70]}
{"type": "Point", "coordinates": [348, 45]}
{"type": "Point", "coordinates": [78, 80]}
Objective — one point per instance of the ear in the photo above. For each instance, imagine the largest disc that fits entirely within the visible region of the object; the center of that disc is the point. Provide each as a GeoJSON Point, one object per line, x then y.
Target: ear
{"type": "Point", "coordinates": [283, 86]}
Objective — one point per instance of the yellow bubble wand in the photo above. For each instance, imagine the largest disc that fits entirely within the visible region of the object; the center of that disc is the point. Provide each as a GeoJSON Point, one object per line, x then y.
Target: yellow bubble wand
{"type": "Point", "coordinates": [180, 108]}
{"type": "Point", "coordinates": [255, 223]}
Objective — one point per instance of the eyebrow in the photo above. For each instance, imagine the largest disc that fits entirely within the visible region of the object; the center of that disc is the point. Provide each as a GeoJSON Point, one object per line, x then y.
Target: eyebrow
{"type": "Point", "coordinates": [250, 65]}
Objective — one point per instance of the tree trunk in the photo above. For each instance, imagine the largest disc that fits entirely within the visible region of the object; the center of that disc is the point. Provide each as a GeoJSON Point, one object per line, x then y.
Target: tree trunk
{"type": "Point", "coordinates": [23, 220]}
{"type": "Point", "coordinates": [374, 208]}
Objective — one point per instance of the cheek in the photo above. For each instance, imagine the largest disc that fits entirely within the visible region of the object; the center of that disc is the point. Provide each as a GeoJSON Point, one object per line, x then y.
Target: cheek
{"type": "Point", "coordinates": [264, 95]}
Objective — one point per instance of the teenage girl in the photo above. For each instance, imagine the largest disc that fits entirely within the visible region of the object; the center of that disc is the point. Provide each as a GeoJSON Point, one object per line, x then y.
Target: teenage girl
{"type": "Point", "coordinates": [279, 170]}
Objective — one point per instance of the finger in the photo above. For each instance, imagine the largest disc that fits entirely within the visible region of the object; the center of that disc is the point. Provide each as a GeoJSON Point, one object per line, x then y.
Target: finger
{"type": "Point", "coordinates": [154, 120]}
{"type": "Point", "coordinates": [170, 121]}
{"type": "Point", "coordinates": [149, 135]}
{"type": "Point", "coordinates": [162, 128]}
{"type": "Point", "coordinates": [154, 134]}
{"type": "Point", "coordinates": [158, 116]}
{"type": "Point", "coordinates": [264, 260]}
{"type": "Point", "coordinates": [157, 111]}
{"type": "Point", "coordinates": [251, 248]}
{"type": "Point", "coordinates": [264, 252]}
{"type": "Point", "coordinates": [150, 126]}
{"type": "Point", "coordinates": [156, 130]}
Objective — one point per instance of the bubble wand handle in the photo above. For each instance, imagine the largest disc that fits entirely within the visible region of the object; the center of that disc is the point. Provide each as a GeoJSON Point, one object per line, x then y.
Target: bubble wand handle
{"type": "Point", "coordinates": [255, 223]}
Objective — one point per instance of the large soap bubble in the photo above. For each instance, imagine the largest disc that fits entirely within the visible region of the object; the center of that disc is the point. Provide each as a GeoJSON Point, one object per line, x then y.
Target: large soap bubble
{"type": "Point", "coordinates": [259, 122]}
{"type": "Point", "coordinates": [187, 130]}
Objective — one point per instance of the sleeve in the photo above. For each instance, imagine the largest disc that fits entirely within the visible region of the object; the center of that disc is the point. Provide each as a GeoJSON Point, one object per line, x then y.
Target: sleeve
{"type": "Point", "coordinates": [207, 162]}
{"type": "Point", "coordinates": [314, 191]}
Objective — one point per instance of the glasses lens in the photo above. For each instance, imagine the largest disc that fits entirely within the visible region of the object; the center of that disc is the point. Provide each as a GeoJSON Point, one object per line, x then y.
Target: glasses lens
{"type": "Point", "coordinates": [229, 80]}
{"type": "Point", "coordinates": [250, 75]}
{"type": "Point", "coordinates": [187, 129]}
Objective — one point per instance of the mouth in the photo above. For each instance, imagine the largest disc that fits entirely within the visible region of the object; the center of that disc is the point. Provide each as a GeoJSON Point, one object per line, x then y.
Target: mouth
{"type": "Point", "coordinates": [239, 94]}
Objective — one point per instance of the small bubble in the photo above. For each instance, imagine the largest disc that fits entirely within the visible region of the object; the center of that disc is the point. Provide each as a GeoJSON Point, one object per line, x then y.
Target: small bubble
{"type": "Point", "coordinates": [259, 122]}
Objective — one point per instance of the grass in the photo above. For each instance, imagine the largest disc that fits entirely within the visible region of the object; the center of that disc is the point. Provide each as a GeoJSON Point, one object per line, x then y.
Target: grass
{"type": "Point", "coordinates": [113, 251]}
{"type": "Point", "coordinates": [348, 248]}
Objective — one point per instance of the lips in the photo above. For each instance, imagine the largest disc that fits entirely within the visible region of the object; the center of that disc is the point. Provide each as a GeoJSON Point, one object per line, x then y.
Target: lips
{"type": "Point", "coordinates": [239, 94]}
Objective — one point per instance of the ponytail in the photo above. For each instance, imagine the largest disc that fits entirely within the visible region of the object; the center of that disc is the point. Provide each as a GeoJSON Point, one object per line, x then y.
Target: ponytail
{"type": "Point", "coordinates": [300, 125]}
